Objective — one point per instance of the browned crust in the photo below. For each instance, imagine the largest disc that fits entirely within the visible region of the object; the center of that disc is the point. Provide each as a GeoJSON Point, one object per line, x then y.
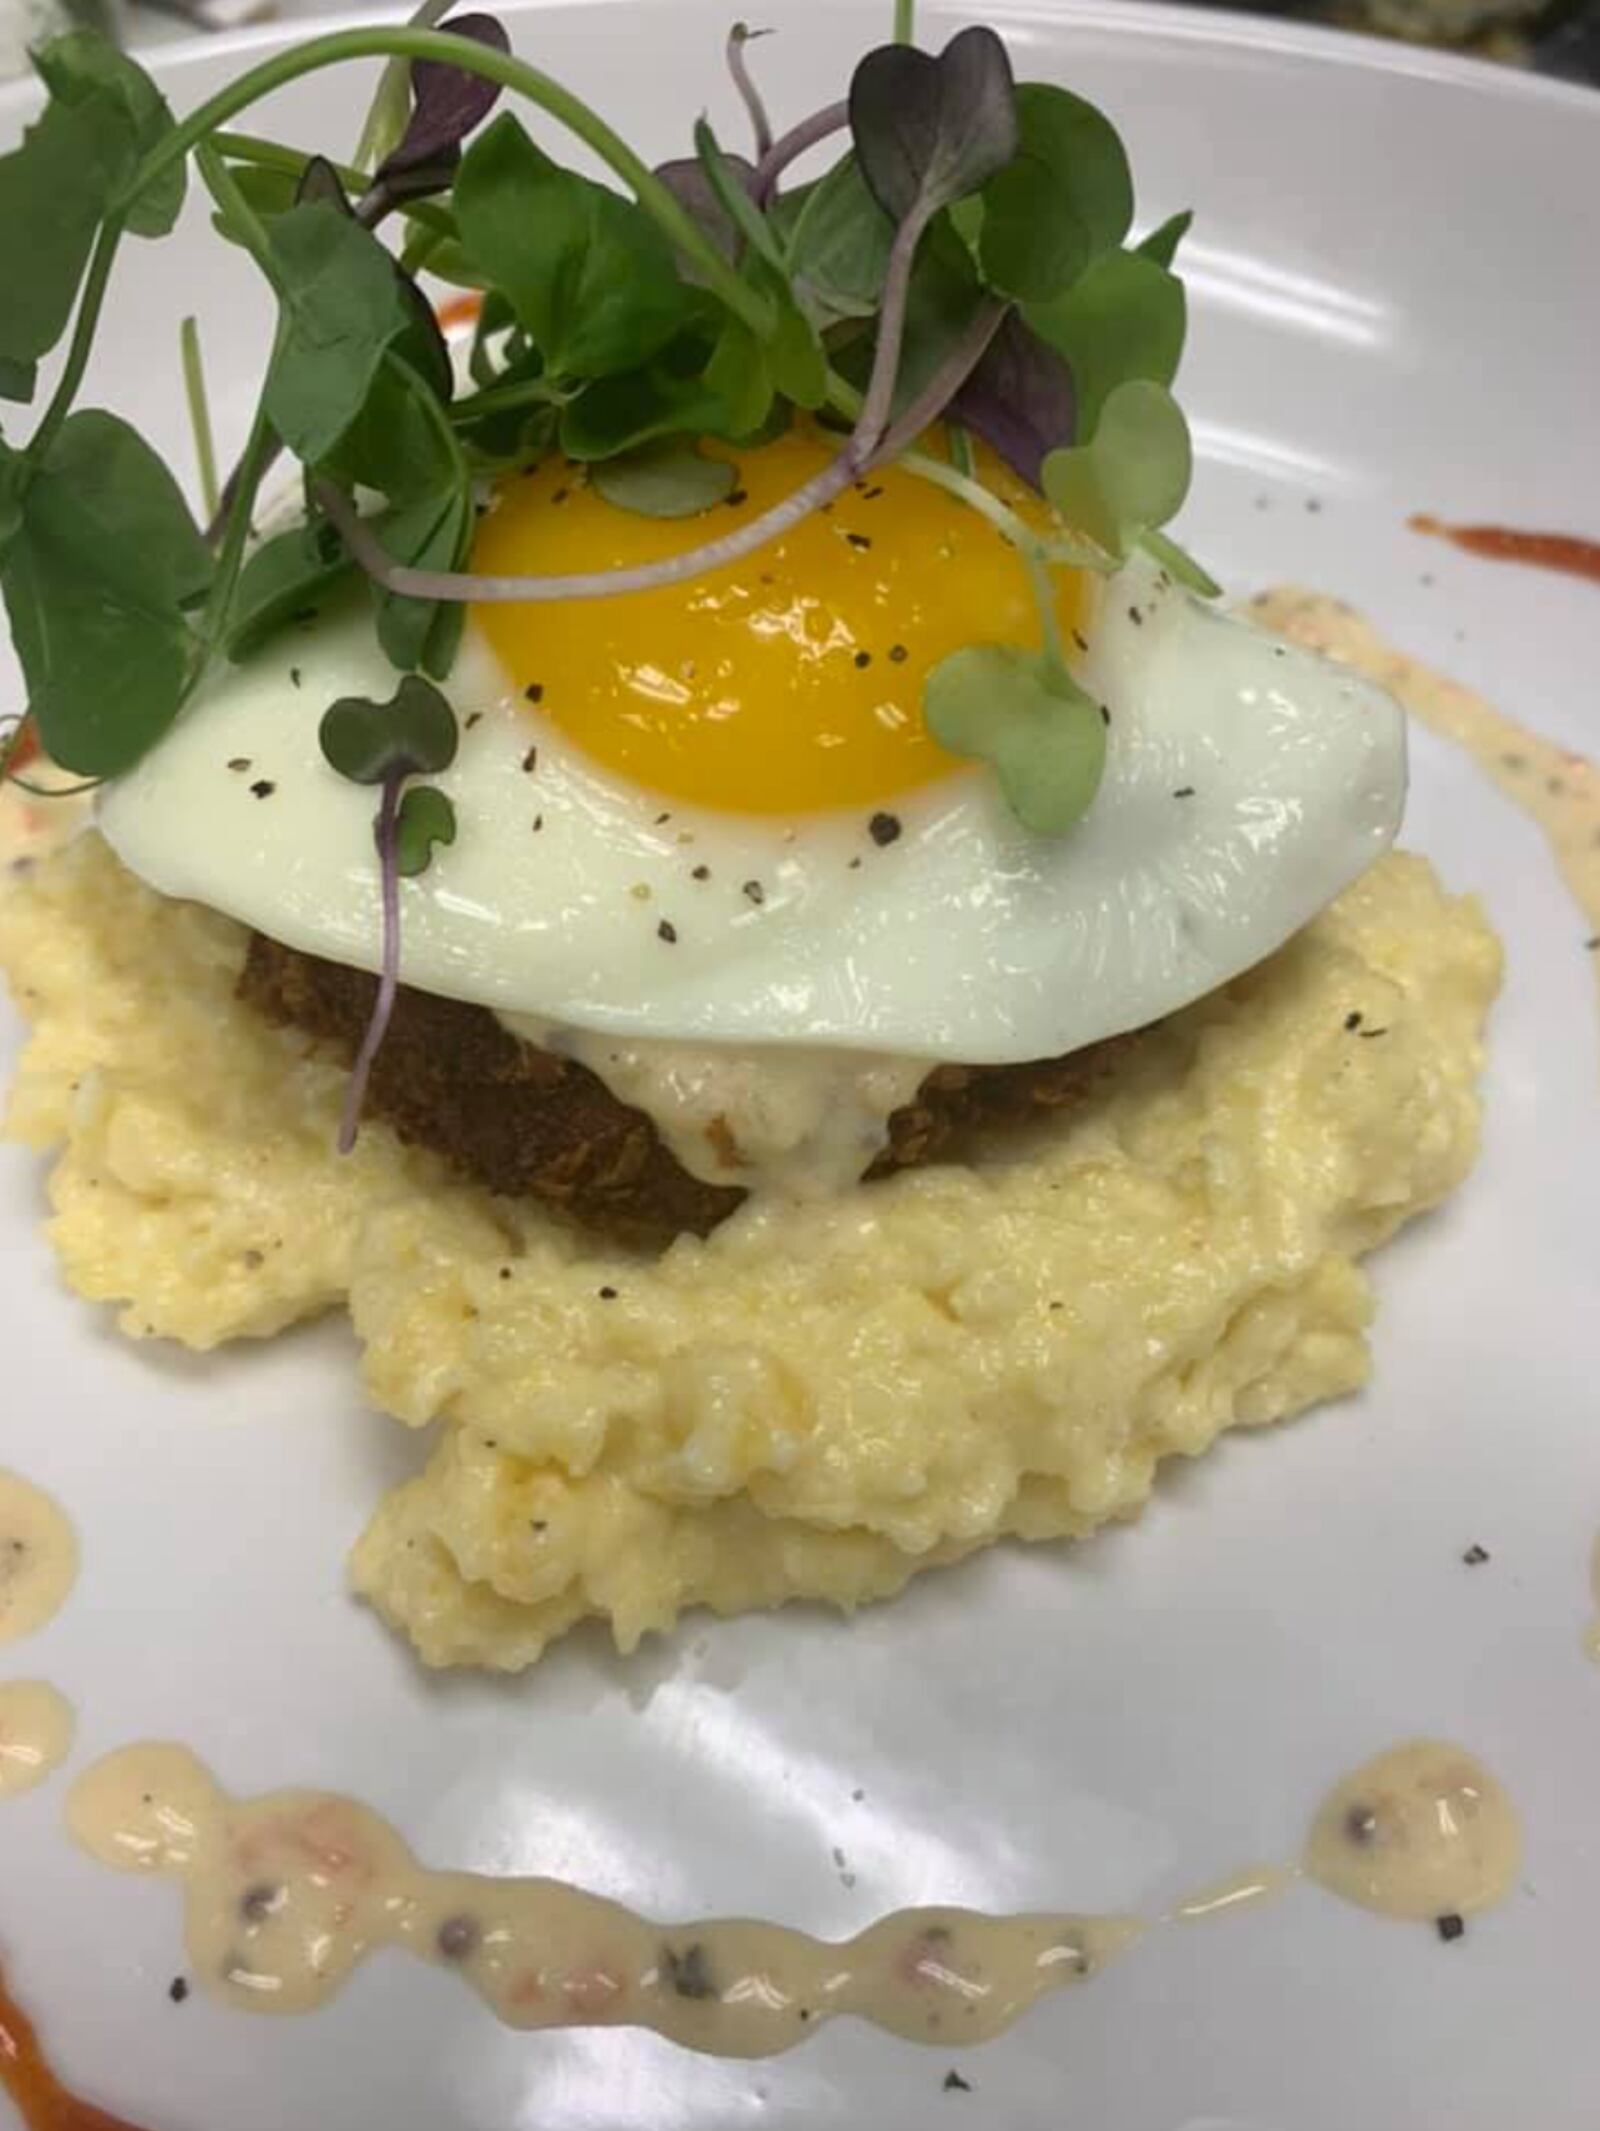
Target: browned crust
{"type": "Point", "coordinates": [527, 1123]}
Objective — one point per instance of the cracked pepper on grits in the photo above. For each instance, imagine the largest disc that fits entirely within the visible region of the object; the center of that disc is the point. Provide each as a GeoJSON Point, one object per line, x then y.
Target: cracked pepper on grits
{"type": "Point", "coordinates": [815, 1402]}
{"type": "Point", "coordinates": [721, 882]}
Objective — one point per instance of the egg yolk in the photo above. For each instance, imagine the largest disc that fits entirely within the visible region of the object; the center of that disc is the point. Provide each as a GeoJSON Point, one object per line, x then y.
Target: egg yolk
{"type": "Point", "coordinates": [788, 682]}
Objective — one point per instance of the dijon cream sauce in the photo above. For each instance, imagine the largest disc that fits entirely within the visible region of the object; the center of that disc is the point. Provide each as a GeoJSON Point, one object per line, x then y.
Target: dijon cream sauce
{"type": "Point", "coordinates": [1557, 789]}
{"type": "Point", "coordinates": [36, 1727]}
{"type": "Point", "coordinates": [798, 1122]}
{"type": "Point", "coordinates": [38, 1558]}
{"type": "Point", "coordinates": [286, 1894]}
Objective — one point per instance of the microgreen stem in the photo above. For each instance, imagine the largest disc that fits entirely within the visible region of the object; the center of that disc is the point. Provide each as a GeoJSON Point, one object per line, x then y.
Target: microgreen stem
{"type": "Point", "coordinates": [856, 458]}
{"type": "Point", "coordinates": [503, 399]}
{"type": "Point", "coordinates": [874, 416]}
{"type": "Point", "coordinates": [905, 12]}
{"type": "Point", "coordinates": [833, 118]}
{"type": "Point", "coordinates": [389, 981]}
{"type": "Point", "coordinates": [194, 389]}
{"type": "Point", "coordinates": [962, 455]}
{"type": "Point", "coordinates": [90, 303]}
{"type": "Point", "coordinates": [259, 154]}
{"type": "Point", "coordinates": [749, 95]}
{"type": "Point", "coordinates": [469, 57]}
{"type": "Point", "coordinates": [1044, 593]}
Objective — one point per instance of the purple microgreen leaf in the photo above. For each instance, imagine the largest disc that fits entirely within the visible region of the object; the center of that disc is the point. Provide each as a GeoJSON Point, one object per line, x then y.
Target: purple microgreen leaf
{"type": "Point", "coordinates": [667, 479]}
{"type": "Point", "coordinates": [1020, 400]}
{"type": "Point", "coordinates": [412, 735]}
{"type": "Point", "coordinates": [426, 819]}
{"type": "Point", "coordinates": [798, 141]}
{"type": "Point", "coordinates": [928, 130]}
{"type": "Point", "coordinates": [355, 1094]}
{"type": "Point", "coordinates": [749, 95]}
{"type": "Point", "coordinates": [446, 102]}
{"type": "Point", "coordinates": [690, 185]}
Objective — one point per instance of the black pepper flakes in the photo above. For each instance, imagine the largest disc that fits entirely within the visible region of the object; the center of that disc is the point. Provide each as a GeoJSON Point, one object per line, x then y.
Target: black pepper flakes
{"type": "Point", "coordinates": [884, 829]}
{"type": "Point", "coordinates": [1475, 1556]}
{"type": "Point", "coordinates": [736, 496]}
{"type": "Point", "coordinates": [561, 495]}
{"type": "Point", "coordinates": [1080, 640]}
{"type": "Point", "coordinates": [475, 720]}
{"type": "Point", "coordinates": [177, 1990]}
{"type": "Point", "coordinates": [1105, 714]}
{"type": "Point", "coordinates": [534, 692]}
{"type": "Point", "coordinates": [898, 654]}
{"type": "Point", "coordinates": [668, 932]}
{"type": "Point", "coordinates": [263, 788]}
{"type": "Point", "coordinates": [753, 892]}
{"type": "Point", "coordinates": [608, 1294]}
{"type": "Point", "coordinates": [1450, 1927]}
{"type": "Point", "coordinates": [1352, 1020]}
{"type": "Point", "coordinates": [662, 820]}
{"type": "Point", "coordinates": [457, 1938]}
{"type": "Point", "coordinates": [1361, 1823]}
{"type": "Point", "coordinates": [1372, 1035]}
{"type": "Point", "coordinates": [240, 762]}
{"type": "Point", "coordinates": [700, 873]}
{"type": "Point", "coordinates": [871, 495]}
{"type": "Point", "coordinates": [863, 659]}
{"type": "Point", "coordinates": [538, 823]}
{"type": "Point", "coordinates": [530, 762]}
{"type": "Point", "coordinates": [1184, 791]}
{"type": "Point", "coordinates": [1136, 617]}
{"type": "Point", "coordinates": [955, 2084]}
{"type": "Point", "coordinates": [257, 1903]}
{"type": "Point", "coordinates": [689, 1972]}
{"type": "Point", "coordinates": [295, 677]}
{"type": "Point", "coordinates": [861, 542]}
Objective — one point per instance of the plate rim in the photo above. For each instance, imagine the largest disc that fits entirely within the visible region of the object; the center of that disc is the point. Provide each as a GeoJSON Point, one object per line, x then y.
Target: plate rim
{"type": "Point", "coordinates": [1218, 28]}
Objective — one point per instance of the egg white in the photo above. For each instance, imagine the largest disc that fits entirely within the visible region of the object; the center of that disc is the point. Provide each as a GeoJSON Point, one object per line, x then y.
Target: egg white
{"type": "Point", "coordinates": [1247, 782]}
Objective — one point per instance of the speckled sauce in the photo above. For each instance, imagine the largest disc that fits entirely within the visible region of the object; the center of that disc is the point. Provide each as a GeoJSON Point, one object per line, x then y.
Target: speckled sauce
{"type": "Point", "coordinates": [38, 1558]}
{"type": "Point", "coordinates": [1556, 788]}
{"type": "Point", "coordinates": [36, 1728]}
{"type": "Point", "coordinates": [1422, 1831]}
{"type": "Point", "coordinates": [286, 1894]}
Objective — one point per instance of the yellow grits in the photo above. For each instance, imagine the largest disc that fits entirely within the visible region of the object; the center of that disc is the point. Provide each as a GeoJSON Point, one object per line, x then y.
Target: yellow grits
{"type": "Point", "coordinates": [818, 1401]}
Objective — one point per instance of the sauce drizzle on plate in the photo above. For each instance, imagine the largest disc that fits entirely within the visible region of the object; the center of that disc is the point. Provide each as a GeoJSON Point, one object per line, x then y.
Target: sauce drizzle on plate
{"type": "Point", "coordinates": [288, 1893]}
{"type": "Point", "coordinates": [1569, 553]}
{"type": "Point", "coordinates": [43, 2103]}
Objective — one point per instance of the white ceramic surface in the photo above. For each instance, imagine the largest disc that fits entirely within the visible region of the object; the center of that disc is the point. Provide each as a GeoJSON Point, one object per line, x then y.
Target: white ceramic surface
{"type": "Point", "coordinates": [1395, 307]}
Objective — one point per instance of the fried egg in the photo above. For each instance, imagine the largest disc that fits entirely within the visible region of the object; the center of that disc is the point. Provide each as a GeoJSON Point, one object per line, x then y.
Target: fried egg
{"type": "Point", "coordinates": [713, 813]}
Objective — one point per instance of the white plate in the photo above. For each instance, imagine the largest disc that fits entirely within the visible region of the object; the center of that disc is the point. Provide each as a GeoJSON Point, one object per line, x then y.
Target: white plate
{"type": "Point", "coordinates": [1395, 307]}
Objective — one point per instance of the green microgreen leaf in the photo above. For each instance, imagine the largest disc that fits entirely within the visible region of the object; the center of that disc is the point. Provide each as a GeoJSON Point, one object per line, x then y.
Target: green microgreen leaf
{"type": "Point", "coordinates": [928, 130]}
{"type": "Point", "coordinates": [426, 819]}
{"type": "Point", "coordinates": [1066, 196]}
{"type": "Point", "coordinates": [1123, 318]}
{"type": "Point", "coordinates": [669, 479]}
{"type": "Point", "coordinates": [588, 274]}
{"type": "Point", "coordinates": [730, 188]}
{"type": "Point", "coordinates": [341, 309]}
{"type": "Point", "coordinates": [85, 72]}
{"type": "Point", "coordinates": [103, 114]}
{"type": "Point", "coordinates": [287, 576]}
{"type": "Point", "coordinates": [838, 250]}
{"type": "Point", "coordinates": [794, 352]}
{"type": "Point", "coordinates": [402, 446]}
{"type": "Point", "coordinates": [1131, 476]}
{"type": "Point", "coordinates": [413, 734]}
{"type": "Point", "coordinates": [102, 566]}
{"type": "Point", "coordinates": [1022, 713]}
{"type": "Point", "coordinates": [1162, 243]}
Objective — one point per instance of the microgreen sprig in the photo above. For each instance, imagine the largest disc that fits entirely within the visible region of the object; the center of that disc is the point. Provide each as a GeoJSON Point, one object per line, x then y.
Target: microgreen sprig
{"type": "Point", "coordinates": [969, 258]}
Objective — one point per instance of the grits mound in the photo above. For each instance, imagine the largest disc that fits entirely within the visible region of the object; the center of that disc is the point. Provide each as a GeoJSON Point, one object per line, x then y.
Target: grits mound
{"type": "Point", "coordinates": [816, 1402]}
